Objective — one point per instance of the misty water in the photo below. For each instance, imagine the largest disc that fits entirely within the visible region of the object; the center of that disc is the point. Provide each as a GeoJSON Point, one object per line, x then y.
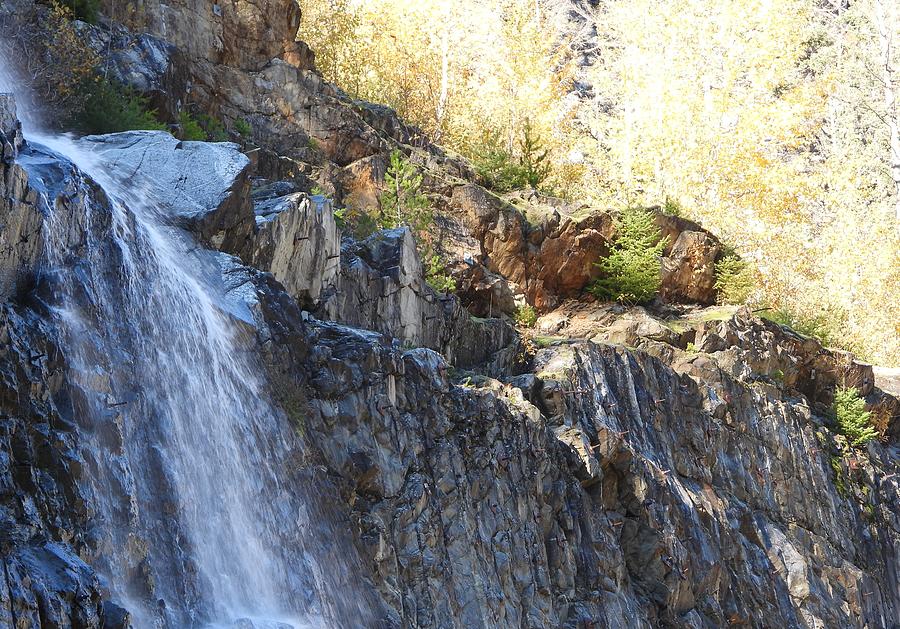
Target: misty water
{"type": "Point", "coordinates": [201, 512]}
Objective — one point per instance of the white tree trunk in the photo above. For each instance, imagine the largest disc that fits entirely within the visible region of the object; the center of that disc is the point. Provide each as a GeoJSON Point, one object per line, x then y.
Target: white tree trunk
{"type": "Point", "coordinates": [445, 80]}
{"type": "Point", "coordinates": [885, 21]}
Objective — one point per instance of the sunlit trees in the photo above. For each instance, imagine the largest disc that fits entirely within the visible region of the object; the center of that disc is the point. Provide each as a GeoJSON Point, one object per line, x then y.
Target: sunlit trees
{"type": "Point", "coordinates": [776, 123]}
{"type": "Point", "coordinates": [456, 68]}
{"type": "Point", "coordinates": [772, 123]}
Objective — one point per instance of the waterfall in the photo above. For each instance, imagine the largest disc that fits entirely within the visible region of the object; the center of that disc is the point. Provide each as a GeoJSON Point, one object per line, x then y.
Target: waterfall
{"type": "Point", "coordinates": [202, 515]}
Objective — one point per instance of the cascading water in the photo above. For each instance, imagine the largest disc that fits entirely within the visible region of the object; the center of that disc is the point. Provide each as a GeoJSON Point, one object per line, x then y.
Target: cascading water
{"type": "Point", "coordinates": [201, 518]}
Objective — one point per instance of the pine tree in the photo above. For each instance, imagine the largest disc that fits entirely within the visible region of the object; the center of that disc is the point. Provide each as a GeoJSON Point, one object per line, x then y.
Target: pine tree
{"type": "Point", "coordinates": [852, 418]}
{"type": "Point", "coordinates": [735, 281]}
{"type": "Point", "coordinates": [535, 166]}
{"type": "Point", "coordinates": [402, 202]}
{"type": "Point", "coordinates": [632, 268]}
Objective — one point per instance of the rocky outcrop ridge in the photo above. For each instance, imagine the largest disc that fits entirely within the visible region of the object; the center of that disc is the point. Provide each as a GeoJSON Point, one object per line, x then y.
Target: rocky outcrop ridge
{"type": "Point", "coordinates": [555, 259]}
{"type": "Point", "coordinates": [606, 488]}
{"type": "Point", "coordinates": [240, 33]}
{"type": "Point", "coordinates": [211, 200]}
{"type": "Point", "coordinates": [376, 284]}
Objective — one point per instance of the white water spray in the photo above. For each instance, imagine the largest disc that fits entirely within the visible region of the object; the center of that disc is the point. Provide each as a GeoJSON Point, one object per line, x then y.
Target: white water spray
{"type": "Point", "coordinates": [200, 517]}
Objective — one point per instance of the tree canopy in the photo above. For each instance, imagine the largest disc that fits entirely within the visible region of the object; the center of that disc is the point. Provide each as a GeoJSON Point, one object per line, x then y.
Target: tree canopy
{"type": "Point", "coordinates": [775, 123]}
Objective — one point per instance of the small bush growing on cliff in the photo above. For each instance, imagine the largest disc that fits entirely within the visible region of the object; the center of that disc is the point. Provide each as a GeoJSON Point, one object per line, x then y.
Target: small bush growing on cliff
{"type": "Point", "coordinates": [735, 281]}
{"type": "Point", "coordinates": [526, 316]}
{"type": "Point", "coordinates": [358, 223]}
{"type": "Point", "coordinates": [200, 128]}
{"type": "Point", "coordinates": [533, 157]}
{"type": "Point", "coordinates": [672, 207]}
{"type": "Point", "coordinates": [827, 326]}
{"type": "Point", "coordinates": [402, 202]}
{"type": "Point", "coordinates": [214, 128]}
{"type": "Point", "coordinates": [110, 107]}
{"type": "Point", "coordinates": [437, 276]}
{"type": "Point", "coordinates": [501, 171]}
{"type": "Point", "coordinates": [189, 129]}
{"type": "Point", "coordinates": [852, 419]}
{"type": "Point", "coordinates": [632, 268]}
{"type": "Point", "coordinates": [498, 170]}
{"type": "Point", "coordinates": [243, 128]}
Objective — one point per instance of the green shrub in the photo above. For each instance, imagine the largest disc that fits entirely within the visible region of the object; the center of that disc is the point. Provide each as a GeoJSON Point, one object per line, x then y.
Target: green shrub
{"type": "Point", "coordinates": [838, 469]}
{"type": "Point", "coordinates": [110, 107]}
{"type": "Point", "coordinates": [340, 218]}
{"type": "Point", "coordinates": [402, 202]}
{"type": "Point", "coordinates": [201, 128]}
{"type": "Point", "coordinates": [735, 281]}
{"type": "Point", "coordinates": [533, 160]}
{"type": "Point", "coordinates": [827, 327]}
{"type": "Point", "coordinates": [852, 419]}
{"type": "Point", "coordinates": [190, 128]}
{"type": "Point", "coordinates": [86, 10]}
{"type": "Point", "coordinates": [526, 316]}
{"type": "Point", "coordinates": [501, 171]}
{"type": "Point", "coordinates": [358, 223]}
{"type": "Point", "coordinates": [214, 128]}
{"type": "Point", "coordinates": [632, 268]}
{"type": "Point", "coordinates": [437, 276]}
{"type": "Point", "coordinates": [672, 207]}
{"type": "Point", "coordinates": [243, 128]}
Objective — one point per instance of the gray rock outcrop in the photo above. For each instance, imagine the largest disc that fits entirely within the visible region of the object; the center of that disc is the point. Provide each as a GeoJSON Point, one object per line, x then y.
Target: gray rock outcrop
{"type": "Point", "coordinates": [201, 186]}
{"type": "Point", "coordinates": [297, 240]}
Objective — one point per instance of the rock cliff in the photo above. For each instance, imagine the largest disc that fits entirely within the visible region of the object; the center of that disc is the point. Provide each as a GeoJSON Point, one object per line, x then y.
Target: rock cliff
{"type": "Point", "coordinates": [621, 467]}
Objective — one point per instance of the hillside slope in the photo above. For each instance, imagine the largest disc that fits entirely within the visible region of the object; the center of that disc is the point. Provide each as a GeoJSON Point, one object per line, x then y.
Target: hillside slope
{"type": "Point", "coordinates": [614, 467]}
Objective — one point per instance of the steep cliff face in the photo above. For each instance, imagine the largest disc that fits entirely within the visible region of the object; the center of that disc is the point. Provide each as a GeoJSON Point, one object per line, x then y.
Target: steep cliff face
{"type": "Point", "coordinates": [625, 470]}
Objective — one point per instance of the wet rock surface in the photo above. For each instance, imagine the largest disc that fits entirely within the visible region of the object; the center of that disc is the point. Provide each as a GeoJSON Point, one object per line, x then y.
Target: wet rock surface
{"type": "Point", "coordinates": [203, 187]}
{"type": "Point", "coordinates": [44, 516]}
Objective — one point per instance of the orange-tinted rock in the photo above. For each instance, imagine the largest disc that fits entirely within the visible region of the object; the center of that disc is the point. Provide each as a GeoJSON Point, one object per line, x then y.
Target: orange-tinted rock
{"type": "Point", "coordinates": [689, 271]}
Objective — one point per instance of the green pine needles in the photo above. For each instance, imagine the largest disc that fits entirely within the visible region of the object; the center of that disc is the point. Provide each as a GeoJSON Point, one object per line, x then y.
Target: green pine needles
{"type": "Point", "coordinates": [852, 419]}
{"type": "Point", "coordinates": [110, 107]}
{"type": "Point", "coordinates": [86, 10]}
{"type": "Point", "coordinates": [402, 202]}
{"type": "Point", "coordinates": [437, 276]}
{"type": "Point", "coordinates": [632, 268]}
{"type": "Point", "coordinates": [501, 171]}
{"type": "Point", "coordinates": [735, 281]}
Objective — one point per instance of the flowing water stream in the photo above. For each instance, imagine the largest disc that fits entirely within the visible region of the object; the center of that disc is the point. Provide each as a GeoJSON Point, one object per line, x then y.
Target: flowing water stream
{"type": "Point", "coordinates": [200, 515]}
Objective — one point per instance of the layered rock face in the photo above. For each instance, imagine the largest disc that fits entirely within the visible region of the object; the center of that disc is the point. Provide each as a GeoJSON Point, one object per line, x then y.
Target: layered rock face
{"type": "Point", "coordinates": [605, 489]}
{"type": "Point", "coordinates": [45, 581]}
{"type": "Point", "coordinates": [241, 33]}
{"type": "Point", "coordinates": [631, 471]}
{"type": "Point", "coordinates": [553, 259]}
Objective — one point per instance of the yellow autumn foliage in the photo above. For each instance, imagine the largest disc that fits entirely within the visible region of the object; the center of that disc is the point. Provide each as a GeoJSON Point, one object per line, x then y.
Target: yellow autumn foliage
{"type": "Point", "coordinates": [768, 120]}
